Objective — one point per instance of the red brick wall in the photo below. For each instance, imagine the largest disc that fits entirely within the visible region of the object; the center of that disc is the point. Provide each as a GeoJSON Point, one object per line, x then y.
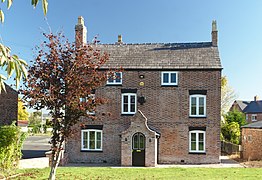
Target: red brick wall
{"type": "Point", "coordinates": [167, 111]}
{"type": "Point", "coordinates": [259, 117]}
{"type": "Point", "coordinates": [252, 144]}
{"type": "Point", "coordinates": [8, 106]}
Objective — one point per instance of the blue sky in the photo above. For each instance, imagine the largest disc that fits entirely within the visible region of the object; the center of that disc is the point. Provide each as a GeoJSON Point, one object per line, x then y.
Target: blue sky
{"type": "Point", "coordinates": [140, 21]}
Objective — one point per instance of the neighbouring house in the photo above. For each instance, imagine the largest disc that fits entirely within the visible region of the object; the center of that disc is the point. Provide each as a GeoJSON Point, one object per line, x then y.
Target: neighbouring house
{"type": "Point", "coordinates": [251, 109]}
{"type": "Point", "coordinates": [23, 124]}
{"type": "Point", "coordinates": [251, 141]}
{"type": "Point", "coordinates": [165, 106]}
{"type": "Point", "coordinates": [8, 106]}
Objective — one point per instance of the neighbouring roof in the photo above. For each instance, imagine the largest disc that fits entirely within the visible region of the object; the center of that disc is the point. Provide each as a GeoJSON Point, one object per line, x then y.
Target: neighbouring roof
{"type": "Point", "coordinates": [250, 106]}
{"type": "Point", "coordinates": [255, 125]}
{"type": "Point", "coordinates": [162, 56]}
{"type": "Point", "coordinates": [242, 104]}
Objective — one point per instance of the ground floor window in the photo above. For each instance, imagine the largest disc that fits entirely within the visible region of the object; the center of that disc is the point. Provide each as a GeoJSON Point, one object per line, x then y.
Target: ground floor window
{"type": "Point", "coordinates": [91, 139]}
{"type": "Point", "coordinates": [197, 141]}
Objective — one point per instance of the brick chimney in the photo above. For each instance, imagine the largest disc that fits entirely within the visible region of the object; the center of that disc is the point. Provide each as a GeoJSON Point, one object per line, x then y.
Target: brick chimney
{"type": "Point", "coordinates": [256, 98]}
{"type": "Point", "coordinates": [214, 33]}
{"type": "Point", "coordinates": [80, 32]}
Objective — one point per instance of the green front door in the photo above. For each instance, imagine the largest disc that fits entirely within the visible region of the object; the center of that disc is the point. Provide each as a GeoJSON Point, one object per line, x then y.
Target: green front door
{"type": "Point", "coordinates": [138, 149]}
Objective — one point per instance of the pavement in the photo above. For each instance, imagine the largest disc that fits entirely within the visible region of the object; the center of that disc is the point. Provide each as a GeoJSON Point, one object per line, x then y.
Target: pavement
{"type": "Point", "coordinates": [35, 146]}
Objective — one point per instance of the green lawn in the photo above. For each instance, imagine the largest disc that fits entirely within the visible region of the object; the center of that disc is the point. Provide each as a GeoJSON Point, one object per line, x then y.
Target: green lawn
{"type": "Point", "coordinates": [143, 173]}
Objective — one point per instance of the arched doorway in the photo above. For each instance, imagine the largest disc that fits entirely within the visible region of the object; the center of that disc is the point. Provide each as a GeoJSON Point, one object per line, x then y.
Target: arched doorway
{"type": "Point", "coordinates": [138, 149]}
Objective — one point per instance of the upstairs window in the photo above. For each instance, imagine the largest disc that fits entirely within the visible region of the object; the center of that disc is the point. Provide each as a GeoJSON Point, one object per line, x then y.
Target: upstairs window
{"type": "Point", "coordinates": [197, 106]}
{"type": "Point", "coordinates": [91, 139]}
{"type": "Point", "coordinates": [197, 140]}
{"type": "Point", "coordinates": [254, 117]}
{"type": "Point", "coordinates": [169, 78]}
{"type": "Point", "coordinates": [114, 79]}
{"type": "Point", "coordinates": [129, 103]}
{"type": "Point", "coordinates": [90, 98]}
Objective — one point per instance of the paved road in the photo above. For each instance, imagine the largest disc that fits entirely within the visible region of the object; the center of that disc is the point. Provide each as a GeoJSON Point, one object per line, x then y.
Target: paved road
{"type": "Point", "coordinates": [35, 146]}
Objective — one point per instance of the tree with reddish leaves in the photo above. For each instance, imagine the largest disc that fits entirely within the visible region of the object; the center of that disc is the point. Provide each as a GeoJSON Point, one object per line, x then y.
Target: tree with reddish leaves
{"type": "Point", "coordinates": [59, 77]}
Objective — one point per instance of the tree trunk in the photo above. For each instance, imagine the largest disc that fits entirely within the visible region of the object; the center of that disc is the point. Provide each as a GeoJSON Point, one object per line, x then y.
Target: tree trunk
{"type": "Point", "coordinates": [55, 162]}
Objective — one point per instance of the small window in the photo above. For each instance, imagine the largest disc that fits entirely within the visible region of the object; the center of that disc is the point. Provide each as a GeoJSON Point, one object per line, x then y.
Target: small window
{"type": "Point", "coordinates": [254, 117]}
{"type": "Point", "coordinates": [91, 139]}
{"type": "Point", "coordinates": [169, 78]}
{"type": "Point", "coordinates": [197, 141]}
{"type": "Point", "coordinates": [115, 78]}
{"type": "Point", "coordinates": [246, 117]}
{"type": "Point", "coordinates": [197, 106]}
{"type": "Point", "coordinates": [90, 98]}
{"type": "Point", "coordinates": [128, 103]}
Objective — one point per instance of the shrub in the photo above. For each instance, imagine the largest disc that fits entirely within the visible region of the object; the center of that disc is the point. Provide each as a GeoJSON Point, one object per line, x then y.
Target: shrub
{"type": "Point", "coordinates": [11, 141]}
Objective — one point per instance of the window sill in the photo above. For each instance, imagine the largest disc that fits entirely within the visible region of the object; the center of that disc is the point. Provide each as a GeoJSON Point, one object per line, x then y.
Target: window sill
{"type": "Point", "coordinates": [98, 151]}
{"type": "Point", "coordinates": [127, 114]}
{"type": "Point", "coordinates": [200, 153]}
{"type": "Point", "coordinates": [113, 84]}
{"type": "Point", "coordinates": [169, 85]}
{"type": "Point", "coordinates": [197, 116]}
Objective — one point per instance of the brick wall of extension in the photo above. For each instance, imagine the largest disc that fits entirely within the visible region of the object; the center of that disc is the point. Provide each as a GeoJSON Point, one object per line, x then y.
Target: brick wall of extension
{"type": "Point", "coordinates": [251, 144]}
{"type": "Point", "coordinates": [167, 111]}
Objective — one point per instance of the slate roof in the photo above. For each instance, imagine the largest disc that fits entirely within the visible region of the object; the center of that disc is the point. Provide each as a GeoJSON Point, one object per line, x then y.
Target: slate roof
{"type": "Point", "coordinates": [255, 125]}
{"type": "Point", "coordinates": [254, 107]}
{"type": "Point", "coordinates": [162, 56]}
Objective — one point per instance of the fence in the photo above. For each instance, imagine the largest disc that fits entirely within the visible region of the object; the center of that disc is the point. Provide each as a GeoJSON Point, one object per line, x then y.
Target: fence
{"type": "Point", "coordinates": [230, 148]}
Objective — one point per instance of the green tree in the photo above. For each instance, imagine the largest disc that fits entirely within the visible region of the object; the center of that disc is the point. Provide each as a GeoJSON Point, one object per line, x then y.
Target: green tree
{"type": "Point", "coordinates": [236, 116]}
{"type": "Point", "coordinates": [35, 118]}
{"type": "Point", "coordinates": [231, 128]}
{"type": "Point", "coordinates": [22, 112]}
{"type": "Point", "coordinates": [12, 63]}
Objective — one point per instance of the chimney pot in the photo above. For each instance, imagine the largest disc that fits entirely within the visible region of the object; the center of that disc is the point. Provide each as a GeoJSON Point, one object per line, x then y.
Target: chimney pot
{"type": "Point", "coordinates": [256, 98]}
{"type": "Point", "coordinates": [120, 39]}
{"type": "Point", "coordinates": [81, 21]}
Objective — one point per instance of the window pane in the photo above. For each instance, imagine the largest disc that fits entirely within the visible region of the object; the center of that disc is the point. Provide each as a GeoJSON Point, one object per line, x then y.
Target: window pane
{"type": "Point", "coordinates": [98, 140]}
{"type": "Point", "coordinates": [193, 106]}
{"type": "Point", "coordinates": [135, 141]}
{"type": "Point", "coordinates": [165, 77]}
{"type": "Point", "coordinates": [201, 146]}
{"type": "Point", "coordinates": [173, 77]}
{"type": "Point", "coordinates": [125, 99]}
{"type": "Point", "coordinates": [110, 80]}
{"type": "Point", "coordinates": [133, 108]}
{"type": "Point", "coordinates": [142, 142]}
{"type": "Point", "coordinates": [91, 139]}
{"type": "Point", "coordinates": [201, 111]}
{"type": "Point", "coordinates": [193, 145]}
{"type": "Point", "coordinates": [118, 77]}
{"type": "Point", "coordinates": [201, 137]}
{"type": "Point", "coordinates": [193, 137]}
{"type": "Point", "coordinates": [133, 99]}
{"type": "Point", "coordinates": [125, 107]}
{"type": "Point", "coordinates": [85, 140]}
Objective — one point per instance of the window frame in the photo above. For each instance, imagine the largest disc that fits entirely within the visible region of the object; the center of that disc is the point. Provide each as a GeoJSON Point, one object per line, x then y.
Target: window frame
{"type": "Point", "coordinates": [197, 132]}
{"type": "Point", "coordinates": [88, 140]}
{"type": "Point", "coordinates": [85, 99]}
{"type": "Point", "coordinates": [114, 80]}
{"type": "Point", "coordinates": [197, 96]}
{"type": "Point", "coordinates": [254, 117]}
{"type": "Point", "coordinates": [129, 103]}
{"type": "Point", "coordinates": [169, 83]}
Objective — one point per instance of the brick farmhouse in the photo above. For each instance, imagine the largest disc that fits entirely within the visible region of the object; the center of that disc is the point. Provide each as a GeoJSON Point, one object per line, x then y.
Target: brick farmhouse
{"type": "Point", "coordinates": [165, 106]}
{"type": "Point", "coordinates": [8, 106]}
